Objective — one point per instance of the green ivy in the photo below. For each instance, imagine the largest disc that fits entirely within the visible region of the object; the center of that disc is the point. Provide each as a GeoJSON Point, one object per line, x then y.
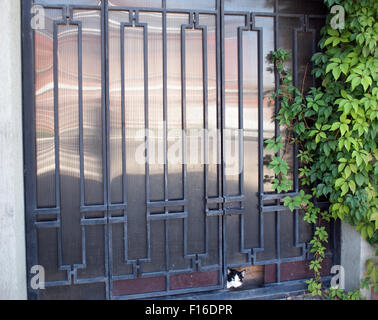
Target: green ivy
{"type": "Point", "coordinates": [335, 129]}
{"type": "Point", "coordinates": [346, 137]}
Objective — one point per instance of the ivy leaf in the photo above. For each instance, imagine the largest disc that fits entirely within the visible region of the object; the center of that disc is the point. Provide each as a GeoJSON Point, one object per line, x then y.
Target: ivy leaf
{"type": "Point", "coordinates": [329, 41]}
{"type": "Point", "coordinates": [326, 149]}
{"type": "Point", "coordinates": [344, 188]}
{"type": "Point", "coordinates": [370, 231]}
{"type": "Point", "coordinates": [355, 82]}
{"type": "Point", "coordinates": [344, 128]}
{"type": "Point", "coordinates": [350, 78]}
{"type": "Point", "coordinates": [359, 179]}
{"type": "Point", "coordinates": [336, 73]}
{"type": "Point", "coordinates": [335, 126]}
{"type": "Point", "coordinates": [331, 66]}
{"type": "Point", "coordinates": [341, 167]}
{"type": "Point", "coordinates": [347, 172]}
{"type": "Point", "coordinates": [339, 182]}
{"type": "Point", "coordinates": [344, 68]}
{"type": "Point", "coordinates": [366, 82]}
{"type": "Point", "coordinates": [352, 186]}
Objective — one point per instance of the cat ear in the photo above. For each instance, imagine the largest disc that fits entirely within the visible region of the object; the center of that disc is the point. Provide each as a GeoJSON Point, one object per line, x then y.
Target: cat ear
{"type": "Point", "coordinates": [243, 273]}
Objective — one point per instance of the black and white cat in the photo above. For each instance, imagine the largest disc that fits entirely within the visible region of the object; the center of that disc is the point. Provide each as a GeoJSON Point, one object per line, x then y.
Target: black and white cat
{"type": "Point", "coordinates": [235, 278]}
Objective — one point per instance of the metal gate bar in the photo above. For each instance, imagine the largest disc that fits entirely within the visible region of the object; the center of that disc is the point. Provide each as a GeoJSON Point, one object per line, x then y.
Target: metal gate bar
{"type": "Point", "coordinates": [225, 209]}
{"type": "Point", "coordinates": [195, 258]}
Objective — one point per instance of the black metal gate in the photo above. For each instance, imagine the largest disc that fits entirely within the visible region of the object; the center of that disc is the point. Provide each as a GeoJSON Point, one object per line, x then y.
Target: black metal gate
{"type": "Point", "coordinates": [107, 83]}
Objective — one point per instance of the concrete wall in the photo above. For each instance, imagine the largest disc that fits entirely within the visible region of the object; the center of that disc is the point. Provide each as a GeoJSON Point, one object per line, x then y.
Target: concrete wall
{"type": "Point", "coordinates": [354, 253]}
{"type": "Point", "coordinates": [12, 230]}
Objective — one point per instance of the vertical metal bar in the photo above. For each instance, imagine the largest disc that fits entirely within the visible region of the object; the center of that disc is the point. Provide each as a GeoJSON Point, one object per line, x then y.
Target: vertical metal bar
{"type": "Point", "coordinates": [183, 110]}
{"type": "Point", "coordinates": [81, 133]}
{"type": "Point", "coordinates": [206, 125]}
{"type": "Point", "coordinates": [278, 236]}
{"type": "Point", "coordinates": [261, 136]}
{"type": "Point", "coordinates": [183, 102]}
{"type": "Point", "coordinates": [146, 117]}
{"type": "Point", "coordinates": [219, 49]}
{"type": "Point", "coordinates": [277, 129]}
{"type": "Point", "coordinates": [164, 27]}
{"type": "Point", "coordinates": [56, 137]}
{"type": "Point", "coordinates": [145, 62]}
{"type": "Point", "coordinates": [222, 127]}
{"type": "Point", "coordinates": [167, 256]}
{"type": "Point", "coordinates": [80, 85]}
{"type": "Point", "coordinates": [28, 91]}
{"type": "Point", "coordinates": [57, 146]}
{"type": "Point", "coordinates": [278, 244]}
{"type": "Point", "coordinates": [123, 115]}
{"type": "Point", "coordinates": [295, 80]}
{"type": "Point", "coordinates": [241, 107]}
{"type": "Point", "coordinates": [165, 129]}
{"type": "Point", "coordinates": [296, 233]}
{"type": "Point", "coordinates": [277, 77]}
{"type": "Point", "coordinates": [247, 27]}
{"type": "Point", "coordinates": [295, 149]}
{"type": "Point", "coordinates": [123, 133]}
{"type": "Point", "coordinates": [105, 102]}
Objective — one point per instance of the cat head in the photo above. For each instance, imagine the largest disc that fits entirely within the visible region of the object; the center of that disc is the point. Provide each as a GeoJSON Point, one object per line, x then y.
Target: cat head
{"type": "Point", "coordinates": [235, 278]}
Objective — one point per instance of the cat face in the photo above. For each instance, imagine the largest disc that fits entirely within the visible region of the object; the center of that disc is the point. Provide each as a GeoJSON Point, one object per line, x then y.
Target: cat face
{"type": "Point", "coordinates": [235, 278]}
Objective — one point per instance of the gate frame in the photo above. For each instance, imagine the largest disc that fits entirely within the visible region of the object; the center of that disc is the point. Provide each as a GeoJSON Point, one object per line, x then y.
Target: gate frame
{"type": "Point", "coordinates": [29, 141]}
{"type": "Point", "coordinates": [30, 153]}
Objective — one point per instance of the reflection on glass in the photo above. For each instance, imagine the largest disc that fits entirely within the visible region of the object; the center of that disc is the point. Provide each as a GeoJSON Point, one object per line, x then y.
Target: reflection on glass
{"type": "Point", "coordinates": [136, 3]}
{"type": "Point", "coordinates": [115, 114]}
{"type": "Point", "coordinates": [192, 4]}
{"type": "Point", "coordinates": [67, 107]}
{"type": "Point", "coordinates": [250, 132]}
{"type": "Point", "coordinates": [248, 5]}
{"type": "Point", "coordinates": [135, 125]}
{"type": "Point", "coordinates": [92, 105]}
{"type": "Point", "coordinates": [44, 112]}
{"type": "Point", "coordinates": [67, 2]}
{"type": "Point", "coordinates": [174, 104]}
{"type": "Point", "coordinates": [155, 103]}
{"type": "Point", "coordinates": [69, 148]}
{"type": "Point", "coordinates": [213, 179]}
{"type": "Point", "coordinates": [194, 133]}
{"type": "Point", "coordinates": [127, 104]}
{"type": "Point", "coordinates": [234, 107]}
{"type": "Point", "coordinates": [231, 135]}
